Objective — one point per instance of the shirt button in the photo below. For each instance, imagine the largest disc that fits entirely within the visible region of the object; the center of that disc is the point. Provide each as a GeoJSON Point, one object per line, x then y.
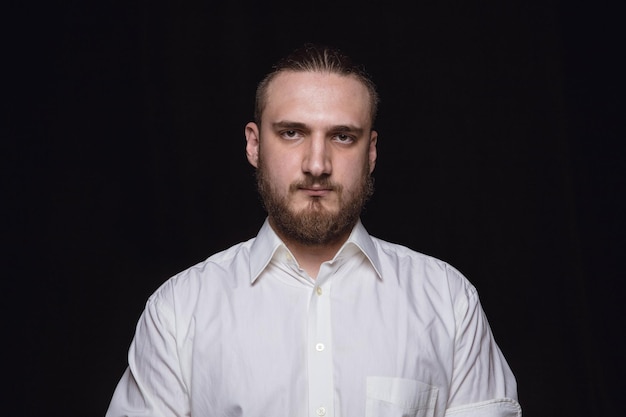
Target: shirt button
{"type": "Point", "coordinates": [318, 290]}
{"type": "Point", "coordinates": [319, 347]}
{"type": "Point", "coordinates": [321, 411]}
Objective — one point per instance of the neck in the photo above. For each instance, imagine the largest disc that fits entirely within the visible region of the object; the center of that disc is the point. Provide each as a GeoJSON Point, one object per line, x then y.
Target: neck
{"type": "Point", "coordinates": [310, 257]}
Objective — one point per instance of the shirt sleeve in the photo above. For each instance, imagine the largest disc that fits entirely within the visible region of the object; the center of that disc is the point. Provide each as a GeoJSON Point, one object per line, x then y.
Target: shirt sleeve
{"type": "Point", "coordinates": [482, 381]}
{"type": "Point", "coordinates": [152, 384]}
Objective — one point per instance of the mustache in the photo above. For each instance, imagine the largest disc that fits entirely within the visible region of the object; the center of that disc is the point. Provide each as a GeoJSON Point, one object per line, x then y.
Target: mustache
{"type": "Point", "coordinates": [311, 181]}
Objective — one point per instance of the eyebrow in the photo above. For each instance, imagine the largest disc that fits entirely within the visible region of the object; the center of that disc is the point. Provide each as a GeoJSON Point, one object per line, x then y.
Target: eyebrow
{"type": "Point", "coordinates": [302, 126]}
{"type": "Point", "coordinates": [288, 125]}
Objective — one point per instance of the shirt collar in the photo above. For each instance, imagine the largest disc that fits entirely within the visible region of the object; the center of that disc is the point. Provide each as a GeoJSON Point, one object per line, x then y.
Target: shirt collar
{"type": "Point", "coordinates": [267, 243]}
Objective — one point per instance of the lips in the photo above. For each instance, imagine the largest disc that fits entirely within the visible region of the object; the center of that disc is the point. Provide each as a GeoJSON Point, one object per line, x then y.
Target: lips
{"type": "Point", "coordinates": [316, 191]}
{"type": "Point", "coordinates": [314, 187]}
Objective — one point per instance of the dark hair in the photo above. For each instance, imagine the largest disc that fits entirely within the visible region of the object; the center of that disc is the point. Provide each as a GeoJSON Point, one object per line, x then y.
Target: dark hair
{"type": "Point", "coordinates": [316, 58]}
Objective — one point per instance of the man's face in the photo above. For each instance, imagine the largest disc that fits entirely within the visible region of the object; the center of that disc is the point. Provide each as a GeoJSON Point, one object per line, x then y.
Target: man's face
{"type": "Point", "coordinates": [314, 155]}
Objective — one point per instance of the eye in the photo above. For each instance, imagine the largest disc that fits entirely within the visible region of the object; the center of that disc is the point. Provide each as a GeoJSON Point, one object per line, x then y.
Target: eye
{"type": "Point", "coordinates": [290, 134]}
{"type": "Point", "coordinates": [343, 138]}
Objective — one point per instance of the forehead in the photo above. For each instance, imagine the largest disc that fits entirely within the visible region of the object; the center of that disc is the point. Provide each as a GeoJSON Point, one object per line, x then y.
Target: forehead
{"type": "Point", "coordinates": [317, 93]}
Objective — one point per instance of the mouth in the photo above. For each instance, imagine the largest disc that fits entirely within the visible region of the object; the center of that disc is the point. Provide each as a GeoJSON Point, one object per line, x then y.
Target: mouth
{"type": "Point", "coordinates": [313, 191]}
{"type": "Point", "coordinates": [315, 187]}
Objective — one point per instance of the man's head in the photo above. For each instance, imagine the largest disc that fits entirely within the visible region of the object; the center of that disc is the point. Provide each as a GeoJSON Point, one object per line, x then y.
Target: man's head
{"type": "Point", "coordinates": [316, 58]}
{"type": "Point", "coordinates": [313, 145]}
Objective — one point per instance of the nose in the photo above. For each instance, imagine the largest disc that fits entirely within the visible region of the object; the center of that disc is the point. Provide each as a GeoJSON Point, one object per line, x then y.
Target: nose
{"type": "Point", "coordinates": [317, 161]}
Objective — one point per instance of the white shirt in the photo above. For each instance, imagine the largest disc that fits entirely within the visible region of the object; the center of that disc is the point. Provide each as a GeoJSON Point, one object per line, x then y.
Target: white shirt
{"type": "Point", "coordinates": [382, 331]}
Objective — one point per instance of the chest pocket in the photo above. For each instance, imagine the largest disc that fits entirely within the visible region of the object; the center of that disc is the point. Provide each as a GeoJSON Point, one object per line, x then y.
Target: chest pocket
{"type": "Point", "coordinates": [399, 397]}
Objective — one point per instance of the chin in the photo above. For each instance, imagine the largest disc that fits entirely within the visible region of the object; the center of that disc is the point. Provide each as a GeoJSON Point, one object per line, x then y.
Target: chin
{"type": "Point", "coordinates": [317, 206]}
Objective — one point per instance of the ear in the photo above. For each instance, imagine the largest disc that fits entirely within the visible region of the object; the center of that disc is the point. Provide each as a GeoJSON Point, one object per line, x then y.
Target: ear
{"type": "Point", "coordinates": [252, 143]}
{"type": "Point", "coordinates": [373, 153]}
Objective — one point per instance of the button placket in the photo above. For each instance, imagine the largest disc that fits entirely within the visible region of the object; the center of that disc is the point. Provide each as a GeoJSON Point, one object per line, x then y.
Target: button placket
{"type": "Point", "coordinates": [319, 358]}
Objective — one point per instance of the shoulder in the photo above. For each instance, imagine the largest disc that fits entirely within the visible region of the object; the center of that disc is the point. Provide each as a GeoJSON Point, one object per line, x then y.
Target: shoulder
{"type": "Point", "coordinates": [410, 265]}
{"type": "Point", "coordinates": [220, 272]}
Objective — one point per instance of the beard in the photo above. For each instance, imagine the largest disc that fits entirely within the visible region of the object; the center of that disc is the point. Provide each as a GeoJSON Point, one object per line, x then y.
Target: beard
{"type": "Point", "coordinates": [314, 225]}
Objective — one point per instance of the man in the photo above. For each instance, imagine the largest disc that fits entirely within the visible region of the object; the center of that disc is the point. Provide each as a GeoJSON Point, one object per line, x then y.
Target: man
{"type": "Point", "coordinates": [313, 316]}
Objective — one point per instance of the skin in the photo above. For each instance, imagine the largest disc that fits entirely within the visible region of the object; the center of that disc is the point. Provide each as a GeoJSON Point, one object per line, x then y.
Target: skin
{"type": "Point", "coordinates": [316, 153]}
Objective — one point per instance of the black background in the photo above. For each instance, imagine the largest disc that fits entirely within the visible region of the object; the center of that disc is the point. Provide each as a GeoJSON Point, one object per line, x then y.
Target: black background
{"type": "Point", "coordinates": [500, 152]}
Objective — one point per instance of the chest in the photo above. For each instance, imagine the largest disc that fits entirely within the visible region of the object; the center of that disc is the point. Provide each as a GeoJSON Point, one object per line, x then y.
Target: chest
{"type": "Point", "coordinates": [319, 344]}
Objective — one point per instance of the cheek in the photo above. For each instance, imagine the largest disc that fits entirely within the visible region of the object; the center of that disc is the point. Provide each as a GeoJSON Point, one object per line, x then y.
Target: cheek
{"type": "Point", "coordinates": [354, 174]}
{"type": "Point", "coordinates": [279, 170]}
